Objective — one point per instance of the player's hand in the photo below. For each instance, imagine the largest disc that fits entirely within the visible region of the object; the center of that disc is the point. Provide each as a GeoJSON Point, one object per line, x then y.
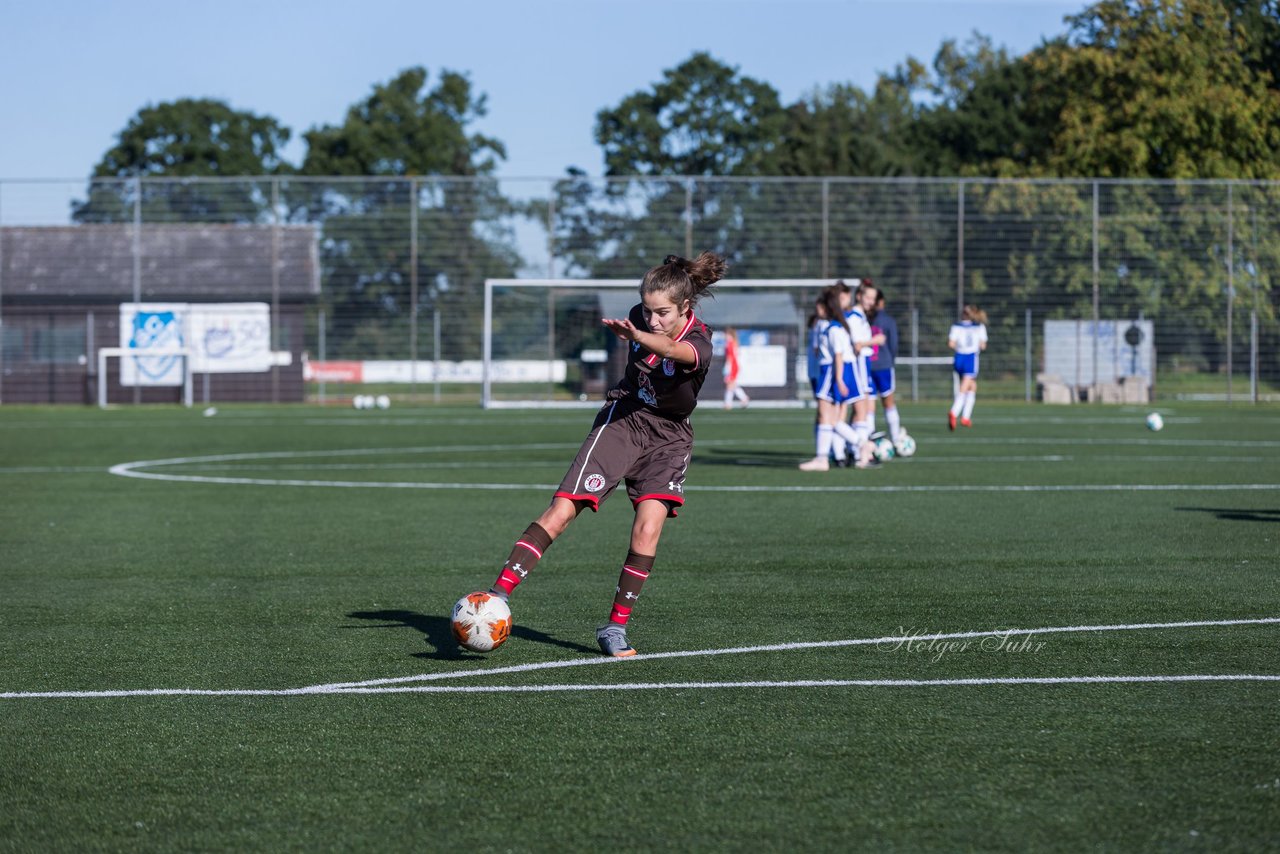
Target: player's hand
{"type": "Point", "coordinates": [877, 340]}
{"type": "Point", "coordinates": [622, 327]}
{"type": "Point", "coordinates": [844, 389]}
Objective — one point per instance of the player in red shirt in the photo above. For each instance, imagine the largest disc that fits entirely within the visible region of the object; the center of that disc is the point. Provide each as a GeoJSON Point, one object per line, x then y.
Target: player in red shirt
{"type": "Point", "coordinates": [731, 368]}
{"type": "Point", "coordinates": [642, 435]}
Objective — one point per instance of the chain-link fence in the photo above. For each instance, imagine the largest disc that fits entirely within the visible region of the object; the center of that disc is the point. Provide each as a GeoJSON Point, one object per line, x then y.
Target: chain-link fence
{"type": "Point", "coordinates": [1100, 290]}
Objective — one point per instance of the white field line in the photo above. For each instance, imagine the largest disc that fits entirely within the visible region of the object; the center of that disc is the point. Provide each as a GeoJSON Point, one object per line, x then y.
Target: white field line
{"type": "Point", "coordinates": [50, 469]}
{"type": "Point", "coordinates": [558, 463]}
{"type": "Point", "coordinates": [1172, 443]}
{"type": "Point", "coordinates": [507, 464]}
{"type": "Point", "coordinates": [399, 683]}
{"type": "Point", "coordinates": [134, 470]}
{"type": "Point", "coordinates": [812, 683]}
{"type": "Point", "coordinates": [542, 487]}
{"type": "Point", "coordinates": [797, 645]}
{"type": "Point", "coordinates": [1033, 487]}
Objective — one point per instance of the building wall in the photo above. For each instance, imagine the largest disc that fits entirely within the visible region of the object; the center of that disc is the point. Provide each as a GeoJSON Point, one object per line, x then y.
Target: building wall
{"type": "Point", "coordinates": [48, 354]}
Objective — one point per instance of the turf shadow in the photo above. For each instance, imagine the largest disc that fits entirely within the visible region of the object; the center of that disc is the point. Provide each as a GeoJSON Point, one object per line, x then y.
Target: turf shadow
{"type": "Point", "coordinates": [1237, 515]}
{"type": "Point", "coordinates": [439, 636]}
{"type": "Point", "coordinates": [744, 457]}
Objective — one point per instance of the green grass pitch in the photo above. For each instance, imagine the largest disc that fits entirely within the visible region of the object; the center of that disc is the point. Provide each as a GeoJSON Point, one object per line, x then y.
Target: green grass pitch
{"type": "Point", "coordinates": [267, 550]}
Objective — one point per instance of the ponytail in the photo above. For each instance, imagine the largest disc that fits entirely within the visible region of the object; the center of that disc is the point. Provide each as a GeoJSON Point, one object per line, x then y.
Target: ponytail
{"type": "Point", "coordinates": [682, 279]}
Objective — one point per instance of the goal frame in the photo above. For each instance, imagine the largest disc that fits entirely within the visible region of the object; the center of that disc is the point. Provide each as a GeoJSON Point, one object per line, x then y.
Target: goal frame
{"type": "Point", "coordinates": [185, 353]}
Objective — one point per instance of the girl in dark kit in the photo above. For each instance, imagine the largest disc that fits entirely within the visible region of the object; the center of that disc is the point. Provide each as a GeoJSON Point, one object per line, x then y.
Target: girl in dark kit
{"type": "Point", "coordinates": [642, 435]}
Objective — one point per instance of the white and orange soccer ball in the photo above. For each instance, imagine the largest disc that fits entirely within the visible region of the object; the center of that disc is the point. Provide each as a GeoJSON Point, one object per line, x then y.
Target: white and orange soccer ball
{"type": "Point", "coordinates": [481, 622]}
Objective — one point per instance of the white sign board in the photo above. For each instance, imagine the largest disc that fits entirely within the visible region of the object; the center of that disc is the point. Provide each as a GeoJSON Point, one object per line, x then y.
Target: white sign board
{"type": "Point", "coordinates": [152, 326]}
{"type": "Point", "coordinates": [221, 337]}
{"type": "Point", "coordinates": [762, 366]}
{"type": "Point", "coordinates": [1124, 348]}
{"type": "Point", "coordinates": [230, 337]}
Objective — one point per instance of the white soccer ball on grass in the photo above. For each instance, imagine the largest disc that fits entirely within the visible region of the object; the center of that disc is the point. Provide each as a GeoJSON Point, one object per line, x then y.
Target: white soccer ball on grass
{"type": "Point", "coordinates": [882, 448]}
{"type": "Point", "coordinates": [481, 622]}
{"type": "Point", "coordinates": [1155, 421]}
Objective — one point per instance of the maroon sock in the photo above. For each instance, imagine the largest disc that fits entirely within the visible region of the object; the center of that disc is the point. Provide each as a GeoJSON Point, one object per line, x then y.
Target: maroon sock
{"type": "Point", "coordinates": [635, 571]}
{"type": "Point", "coordinates": [525, 555]}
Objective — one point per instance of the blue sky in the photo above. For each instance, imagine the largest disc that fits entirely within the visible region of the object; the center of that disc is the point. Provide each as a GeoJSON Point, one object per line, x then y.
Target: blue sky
{"type": "Point", "coordinates": [73, 72]}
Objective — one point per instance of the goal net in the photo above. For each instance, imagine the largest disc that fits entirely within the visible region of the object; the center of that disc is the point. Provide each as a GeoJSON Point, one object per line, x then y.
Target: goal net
{"type": "Point", "coordinates": [544, 344]}
{"type": "Point", "coordinates": [150, 375]}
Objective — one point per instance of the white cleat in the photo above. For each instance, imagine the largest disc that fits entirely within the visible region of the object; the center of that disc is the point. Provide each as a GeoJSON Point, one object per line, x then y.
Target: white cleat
{"type": "Point", "coordinates": [816, 464]}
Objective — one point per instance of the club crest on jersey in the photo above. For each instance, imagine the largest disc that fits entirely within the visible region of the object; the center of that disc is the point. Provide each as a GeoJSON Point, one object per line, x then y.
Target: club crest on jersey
{"type": "Point", "coordinates": [669, 367]}
{"type": "Point", "coordinates": [594, 482]}
{"type": "Point", "coordinates": [646, 391]}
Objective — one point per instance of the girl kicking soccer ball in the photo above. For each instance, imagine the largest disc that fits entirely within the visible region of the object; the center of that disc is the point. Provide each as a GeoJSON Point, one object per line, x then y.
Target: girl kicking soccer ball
{"type": "Point", "coordinates": [642, 435]}
{"type": "Point", "coordinates": [968, 338]}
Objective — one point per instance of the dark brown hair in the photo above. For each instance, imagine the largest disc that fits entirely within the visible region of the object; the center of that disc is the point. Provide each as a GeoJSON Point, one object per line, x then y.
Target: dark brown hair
{"type": "Point", "coordinates": [972, 312]}
{"type": "Point", "coordinates": [830, 300]}
{"type": "Point", "coordinates": [681, 279]}
{"type": "Point", "coordinates": [863, 285]}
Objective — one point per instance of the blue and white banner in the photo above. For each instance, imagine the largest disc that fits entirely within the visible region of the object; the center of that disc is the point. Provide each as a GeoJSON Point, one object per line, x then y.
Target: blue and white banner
{"type": "Point", "coordinates": [152, 327]}
{"type": "Point", "coordinates": [219, 338]}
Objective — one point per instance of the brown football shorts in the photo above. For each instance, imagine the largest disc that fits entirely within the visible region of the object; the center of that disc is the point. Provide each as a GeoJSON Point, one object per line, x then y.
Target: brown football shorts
{"type": "Point", "coordinates": [650, 452]}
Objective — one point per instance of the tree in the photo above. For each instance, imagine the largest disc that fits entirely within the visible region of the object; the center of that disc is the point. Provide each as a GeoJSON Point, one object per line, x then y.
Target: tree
{"type": "Point", "coordinates": [978, 123]}
{"type": "Point", "coordinates": [187, 138]}
{"type": "Point", "coordinates": [425, 176]}
{"type": "Point", "coordinates": [1257, 22]}
{"type": "Point", "coordinates": [1154, 88]}
{"type": "Point", "coordinates": [704, 118]}
{"type": "Point", "coordinates": [400, 130]}
{"type": "Point", "coordinates": [843, 131]}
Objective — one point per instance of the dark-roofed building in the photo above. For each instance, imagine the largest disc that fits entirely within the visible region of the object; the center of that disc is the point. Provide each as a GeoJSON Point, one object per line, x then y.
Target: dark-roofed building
{"type": "Point", "coordinates": [61, 288]}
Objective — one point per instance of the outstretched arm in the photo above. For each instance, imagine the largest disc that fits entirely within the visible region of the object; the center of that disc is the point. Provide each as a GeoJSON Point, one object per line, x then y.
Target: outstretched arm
{"type": "Point", "coordinates": [681, 352]}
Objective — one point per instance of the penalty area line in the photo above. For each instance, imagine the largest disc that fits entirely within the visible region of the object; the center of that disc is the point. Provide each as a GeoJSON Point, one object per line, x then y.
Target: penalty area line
{"type": "Point", "coordinates": [401, 683]}
{"type": "Point", "coordinates": [888, 640]}
{"type": "Point", "coordinates": [654, 686]}
{"type": "Point", "coordinates": [813, 683]}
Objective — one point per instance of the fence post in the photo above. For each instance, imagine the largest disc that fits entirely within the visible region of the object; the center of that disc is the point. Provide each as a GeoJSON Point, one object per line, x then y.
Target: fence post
{"type": "Point", "coordinates": [137, 264]}
{"type": "Point", "coordinates": [1253, 356]}
{"type": "Point", "coordinates": [1231, 281]}
{"type": "Point", "coordinates": [551, 302]}
{"type": "Point", "coordinates": [435, 348]}
{"type": "Point", "coordinates": [1027, 357]}
{"type": "Point", "coordinates": [826, 228]}
{"type": "Point", "coordinates": [413, 288]}
{"type": "Point", "coordinates": [1093, 385]}
{"type": "Point", "coordinates": [275, 289]}
{"type": "Point", "coordinates": [959, 248]}
{"type": "Point", "coordinates": [915, 354]}
{"type": "Point", "coordinates": [321, 321]}
{"type": "Point", "coordinates": [91, 363]}
{"type": "Point", "coordinates": [688, 218]}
